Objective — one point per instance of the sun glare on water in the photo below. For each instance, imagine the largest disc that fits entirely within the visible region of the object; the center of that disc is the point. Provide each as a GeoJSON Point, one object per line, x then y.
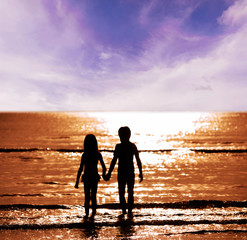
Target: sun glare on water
{"type": "Point", "coordinates": [151, 130]}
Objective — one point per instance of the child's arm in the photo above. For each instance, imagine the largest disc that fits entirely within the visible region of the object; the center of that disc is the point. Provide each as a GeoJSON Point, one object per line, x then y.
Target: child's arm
{"type": "Point", "coordinates": [113, 162]}
{"type": "Point", "coordinates": [79, 172]}
{"type": "Point", "coordinates": [139, 164]}
{"type": "Point", "coordinates": [103, 165]}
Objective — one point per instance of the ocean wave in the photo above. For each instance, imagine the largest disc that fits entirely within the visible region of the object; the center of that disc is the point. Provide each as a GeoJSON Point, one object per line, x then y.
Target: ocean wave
{"type": "Point", "coordinates": [203, 150]}
{"type": "Point", "coordinates": [21, 195]}
{"type": "Point", "coordinates": [21, 149]}
{"type": "Point", "coordinates": [209, 231]}
{"type": "Point", "coordinates": [31, 206]}
{"type": "Point", "coordinates": [193, 204]}
{"type": "Point", "coordinates": [127, 222]}
{"type": "Point", "coordinates": [220, 150]}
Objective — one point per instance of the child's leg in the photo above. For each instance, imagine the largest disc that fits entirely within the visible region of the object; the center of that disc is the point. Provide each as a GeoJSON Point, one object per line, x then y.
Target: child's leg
{"type": "Point", "coordinates": [121, 191]}
{"type": "Point", "coordinates": [130, 185]}
{"type": "Point", "coordinates": [93, 196]}
{"type": "Point", "coordinates": [87, 197]}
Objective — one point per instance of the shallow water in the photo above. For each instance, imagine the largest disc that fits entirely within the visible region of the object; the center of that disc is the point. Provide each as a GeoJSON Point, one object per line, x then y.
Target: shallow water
{"type": "Point", "coordinates": [185, 157]}
{"type": "Point", "coordinates": [191, 218]}
{"type": "Point", "coordinates": [47, 177]}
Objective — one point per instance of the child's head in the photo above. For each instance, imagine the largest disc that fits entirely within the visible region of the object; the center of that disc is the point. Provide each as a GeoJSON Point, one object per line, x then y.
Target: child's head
{"type": "Point", "coordinates": [124, 134]}
{"type": "Point", "coordinates": [90, 143]}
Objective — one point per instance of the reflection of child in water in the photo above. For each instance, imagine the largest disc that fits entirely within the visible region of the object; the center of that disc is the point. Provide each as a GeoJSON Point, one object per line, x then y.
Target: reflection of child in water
{"type": "Point", "coordinates": [90, 159]}
{"type": "Point", "coordinates": [125, 151]}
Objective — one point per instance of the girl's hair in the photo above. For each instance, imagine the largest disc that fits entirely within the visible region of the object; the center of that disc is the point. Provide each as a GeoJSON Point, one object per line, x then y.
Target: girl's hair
{"type": "Point", "coordinates": [90, 144]}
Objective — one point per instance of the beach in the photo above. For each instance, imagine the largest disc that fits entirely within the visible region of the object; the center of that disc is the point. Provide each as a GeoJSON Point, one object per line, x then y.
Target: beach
{"type": "Point", "coordinates": [194, 167]}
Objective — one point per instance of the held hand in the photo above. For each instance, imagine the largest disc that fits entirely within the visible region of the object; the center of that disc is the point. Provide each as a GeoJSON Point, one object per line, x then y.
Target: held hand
{"type": "Point", "coordinates": [76, 185]}
{"type": "Point", "coordinates": [107, 177]}
{"type": "Point", "coordinates": [141, 177]}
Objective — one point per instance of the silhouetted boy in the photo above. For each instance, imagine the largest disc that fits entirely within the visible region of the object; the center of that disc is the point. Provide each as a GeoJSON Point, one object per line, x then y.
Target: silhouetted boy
{"type": "Point", "coordinates": [124, 152]}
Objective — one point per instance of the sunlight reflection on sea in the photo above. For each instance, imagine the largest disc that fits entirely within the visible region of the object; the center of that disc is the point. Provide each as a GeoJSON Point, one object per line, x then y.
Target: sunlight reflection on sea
{"type": "Point", "coordinates": [173, 170]}
{"type": "Point", "coordinates": [191, 159]}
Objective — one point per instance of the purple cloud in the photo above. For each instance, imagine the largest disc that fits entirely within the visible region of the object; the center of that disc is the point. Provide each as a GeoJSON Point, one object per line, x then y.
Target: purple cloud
{"type": "Point", "coordinates": [123, 55]}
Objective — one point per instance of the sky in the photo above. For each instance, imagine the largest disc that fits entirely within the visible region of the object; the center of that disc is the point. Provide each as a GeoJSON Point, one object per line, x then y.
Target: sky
{"type": "Point", "coordinates": [123, 55]}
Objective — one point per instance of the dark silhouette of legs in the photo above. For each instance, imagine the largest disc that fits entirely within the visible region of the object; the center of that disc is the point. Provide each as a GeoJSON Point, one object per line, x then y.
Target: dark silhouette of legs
{"type": "Point", "coordinates": [130, 185]}
{"type": "Point", "coordinates": [87, 197]}
{"type": "Point", "coordinates": [94, 187]}
{"type": "Point", "coordinates": [90, 190]}
{"type": "Point", "coordinates": [121, 190]}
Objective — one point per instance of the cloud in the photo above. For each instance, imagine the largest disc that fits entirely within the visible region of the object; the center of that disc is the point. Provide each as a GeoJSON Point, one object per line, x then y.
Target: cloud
{"type": "Point", "coordinates": [213, 81]}
{"type": "Point", "coordinates": [36, 44]}
{"type": "Point", "coordinates": [51, 60]}
{"type": "Point", "coordinates": [236, 15]}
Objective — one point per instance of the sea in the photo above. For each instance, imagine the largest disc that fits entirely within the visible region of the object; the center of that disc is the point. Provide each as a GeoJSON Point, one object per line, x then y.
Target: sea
{"type": "Point", "coordinates": [194, 168]}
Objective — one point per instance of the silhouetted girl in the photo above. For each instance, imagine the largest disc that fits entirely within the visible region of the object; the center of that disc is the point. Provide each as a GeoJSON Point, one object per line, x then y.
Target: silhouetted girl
{"type": "Point", "coordinates": [89, 161]}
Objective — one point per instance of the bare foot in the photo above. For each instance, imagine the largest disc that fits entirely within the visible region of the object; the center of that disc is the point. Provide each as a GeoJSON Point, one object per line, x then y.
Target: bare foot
{"type": "Point", "coordinates": [85, 217]}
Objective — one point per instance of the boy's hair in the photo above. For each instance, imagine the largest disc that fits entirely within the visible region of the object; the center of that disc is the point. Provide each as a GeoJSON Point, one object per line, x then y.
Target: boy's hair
{"type": "Point", "coordinates": [124, 132]}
